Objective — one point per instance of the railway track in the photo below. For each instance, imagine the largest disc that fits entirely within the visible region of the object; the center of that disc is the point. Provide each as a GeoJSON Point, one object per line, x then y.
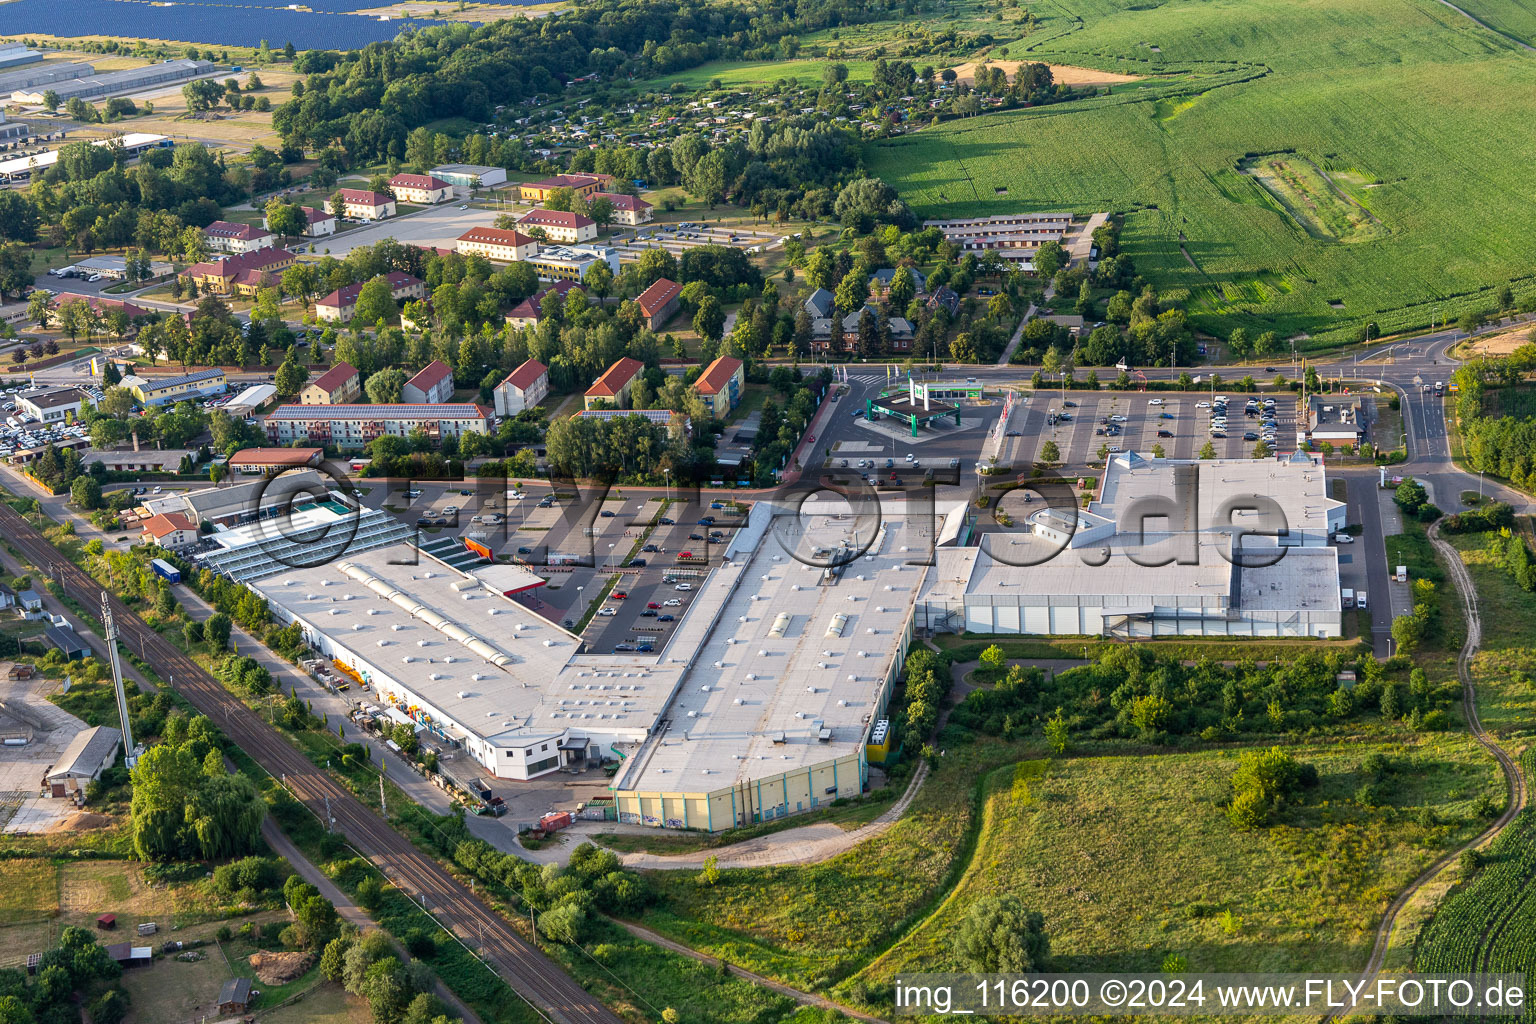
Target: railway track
{"type": "Point", "coordinates": [552, 993]}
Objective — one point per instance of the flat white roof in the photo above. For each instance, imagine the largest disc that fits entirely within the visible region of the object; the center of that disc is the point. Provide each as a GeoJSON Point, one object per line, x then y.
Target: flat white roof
{"type": "Point", "coordinates": [496, 669]}
{"type": "Point", "coordinates": [788, 658]}
{"type": "Point", "coordinates": [1300, 490]}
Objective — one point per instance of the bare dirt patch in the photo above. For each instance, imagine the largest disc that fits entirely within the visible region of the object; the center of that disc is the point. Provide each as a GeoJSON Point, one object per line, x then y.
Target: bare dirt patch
{"type": "Point", "coordinates": [1500, 344]}
{"type": "Point", "coordinates": [81, 822]}
{"type": "Point", "coordinates": [1063, 74]}
{"type": "Point", "coordinates": [280, 968]}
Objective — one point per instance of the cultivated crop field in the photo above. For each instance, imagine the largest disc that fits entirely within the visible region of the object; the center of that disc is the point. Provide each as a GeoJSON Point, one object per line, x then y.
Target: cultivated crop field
{"type": "Point", "coordinates": [1393, 122]}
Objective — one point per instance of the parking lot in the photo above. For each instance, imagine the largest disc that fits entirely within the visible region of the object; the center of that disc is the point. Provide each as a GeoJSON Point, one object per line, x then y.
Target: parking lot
{"type": "Point", "coordinates": [581, 546]}
{"type": "Point", "coordinates": [18, 435]}
{"type": "Point", "coordinates": [1180, 422]}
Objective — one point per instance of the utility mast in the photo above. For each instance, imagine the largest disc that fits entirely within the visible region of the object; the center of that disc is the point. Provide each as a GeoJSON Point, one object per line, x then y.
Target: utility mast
{"type": "Point", "coordinates": [129, 758]}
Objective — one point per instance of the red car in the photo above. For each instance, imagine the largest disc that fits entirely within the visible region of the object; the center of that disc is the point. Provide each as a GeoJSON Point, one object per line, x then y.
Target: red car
{"type": "Point", "coordinates": [652, 604]}
{"type": "Point", "coordinates": [685, 554]}
{"type": "Point", "coordinates": [618, 595]}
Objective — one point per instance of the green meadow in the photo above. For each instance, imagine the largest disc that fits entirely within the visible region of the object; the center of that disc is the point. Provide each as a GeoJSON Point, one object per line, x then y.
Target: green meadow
{"type": "Point", "coordinates": [1303, 166]}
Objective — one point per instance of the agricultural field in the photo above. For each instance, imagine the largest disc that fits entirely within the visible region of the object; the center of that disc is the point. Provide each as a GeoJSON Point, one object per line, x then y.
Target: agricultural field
{"type": "Point", "coordinates": [1132, 859]}
{"type": "Point", "coordinates": [1486, 924]}
{"type": "Point", "coordinates": [1362, 225]}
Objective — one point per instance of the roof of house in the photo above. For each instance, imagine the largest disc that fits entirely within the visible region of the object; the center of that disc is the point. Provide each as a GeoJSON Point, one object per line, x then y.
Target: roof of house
{"type": "Point", "coordinates": [566, 181]}
{"type": "Point", "coordinates": [820, 303]}
{"type": "Point", "coordinates": [398, 411]}
{"type": "Point", "coordinates": [30, 596]}
{"type": "Point", "coordinates": [717, 375]}
{"type": "Point", "coordinates": [315, 216]}
{"type": "Point", "coordinates": [621, 201]}
{"type": "Point", "coordinates": [524, 376]}
{"type": "Point", "coordinates": [86, 752]}
{"type": "Point", "coordinates": [886, 274]}
{"type": "Point", "coordinates": [335, 377]}
{"type": "Point", "coordinates": [556, 219]}
{"type": "Point", "coordinates": [196, 376]}
{"type": "Point", "coordinates": [105, 303]}
{"type": "Point", "coordinates": [344, 297]}
{"type": "Point", "coordinates": [274, 456]}
{"type": "Point", "coordinates": [425, 181]}
{"type": "Point", "coordinates": [52, 398]}
{"type": "Point", "coordinates": [166, 524]}
{"type": "Point", "coordinates": [235, 990]}
{"type": "Point", "coordinates": [365, 197]}
{"type": "Point", "coordinates": [66, 640]}
{"type": "Point", "coordinates": [616, 378]}
{"type": "Point", "coordinates": [431, 375]}
{"type": "Point", "coordinates": [657, 296]}
{"type": "Point", "coordinates": [496, 236]}
{"type": "Point", "coordinates": [242, 232]}
{"type": "Point", "coordinates": [254, 261]}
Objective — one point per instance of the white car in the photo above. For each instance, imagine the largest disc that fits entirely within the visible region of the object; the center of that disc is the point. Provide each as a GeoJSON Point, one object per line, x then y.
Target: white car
{"type": "Point", "coordinates": [672, 602]}
{"type": "Point", "coordinates": [1343, 538]}
{"type": "Point", "coordinates": [1117, 418]}
{"type": "Point", "coordinates": [608, 611]}
{"type": "Point", "coordinates": [1155, 401]}
{"type": "Point", "coordinates": [1202, 405]}
{"type": "Point", "coordinates": [910, 457]}
{"type": "Point", "coordinates": [683, 586]}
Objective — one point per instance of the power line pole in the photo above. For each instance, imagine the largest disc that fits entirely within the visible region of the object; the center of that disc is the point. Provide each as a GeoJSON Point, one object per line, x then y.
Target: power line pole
{"type": "Point", "coordinates": [110, 628]}
{"type": "Point", "coordinates": [382, 808]}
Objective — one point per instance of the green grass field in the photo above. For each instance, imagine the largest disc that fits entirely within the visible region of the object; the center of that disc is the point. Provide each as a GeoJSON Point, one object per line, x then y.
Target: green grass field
{"type": "Point", "coordinates": [751, 74]}
{"type": "Point", "coordinates": [1391, 119]}
{"type": "Point", "coordinates": [1130, 859]}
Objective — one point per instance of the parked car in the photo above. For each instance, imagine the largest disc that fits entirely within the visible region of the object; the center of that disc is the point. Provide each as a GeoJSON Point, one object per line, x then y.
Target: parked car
{"type": "Point", "coordinates": [666, 618]}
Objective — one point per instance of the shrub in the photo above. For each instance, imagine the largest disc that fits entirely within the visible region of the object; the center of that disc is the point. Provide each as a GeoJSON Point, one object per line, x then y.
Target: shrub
{"type": "Point", "coordinates": [1000, 935]}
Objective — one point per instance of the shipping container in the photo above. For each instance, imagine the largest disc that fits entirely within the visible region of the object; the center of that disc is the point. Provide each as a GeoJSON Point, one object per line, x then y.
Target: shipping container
{"type": "Point", "coordinates": [555, 822]}
{"type": "Point", "coordinates": [165, 570]}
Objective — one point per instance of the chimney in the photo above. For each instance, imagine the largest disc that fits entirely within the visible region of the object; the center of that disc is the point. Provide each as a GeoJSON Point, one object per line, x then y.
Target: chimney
{"type": "Point", "coordinates": [135, 440]}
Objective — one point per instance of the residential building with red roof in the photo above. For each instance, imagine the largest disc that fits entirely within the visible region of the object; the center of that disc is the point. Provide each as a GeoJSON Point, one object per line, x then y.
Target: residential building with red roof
{"type": "Point", "coordinates": [560, 226]}
{"type": "Point", "coordinates": [497, 244]}
{"type": "Point", "coordinates": [524, 388]}
{"type": "Point", "coordinates": [363, 204]}
{"type": "Point", "coordinates": [530, 311]}
{"type": "Point", "coordinates": [422, 189]}
{"type": "Point", "coordinates": [615, 388]}
{"type": "Point", "coordinates": [432, 385]}
{"type": "Point", "coordinates": [241, 274]}
{"type": "Point", "coordinates": [337, 386]}
{"type": "Point", "coordinates": [659, 302]}
{"type": "Point", "coordinates": [317, 223]}
{"type": "Point", "coordinates": [582, 184]}
{"type": "Point", "coordinates": [227, 236]}
{"type": "Point", "coordinates": [341, 304]}
{"type": "Point", "coordinates": [628, 210]}
{"type": "Point", "coordinates": [720, 385]}
{"type": "Point", "coordinates": [171, 530]}
{"type": "Point", "coordinates": [261, 460]}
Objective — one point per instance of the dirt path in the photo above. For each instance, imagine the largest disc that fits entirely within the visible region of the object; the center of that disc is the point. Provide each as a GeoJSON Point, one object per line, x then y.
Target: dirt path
{"type": "Point", "coordinates": [803, 998]}
{"type": "Point", "coordinates": [809, 844]}
{"type": "Point", "coordinates": [1512, 775]}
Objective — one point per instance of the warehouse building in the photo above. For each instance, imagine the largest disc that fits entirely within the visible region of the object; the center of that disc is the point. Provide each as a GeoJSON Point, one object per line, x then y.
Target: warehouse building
{"type": "Point", "coordinates": [1214, 547]}
{"type": "Point", "coordinates": [164, 390]}
{"type": "Point", "coordinates": [120, 83]}
{"type": "Point", "coordinates": [789, 678]}
{"type": "Point", "coordinates": [450, 653]}
{"type": "Point", "coordinates": [760, 705]}
{"type": "Point", "coordinates": [470, 175]}
{"type": "Point", "coordinates": [13, 55]}
{"type": "Point", "coordinates": [43, 75]}
{"type": "Point", "coordinates": [133, 144]}
{"type": "Point", "coordinates": [314, 530]}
